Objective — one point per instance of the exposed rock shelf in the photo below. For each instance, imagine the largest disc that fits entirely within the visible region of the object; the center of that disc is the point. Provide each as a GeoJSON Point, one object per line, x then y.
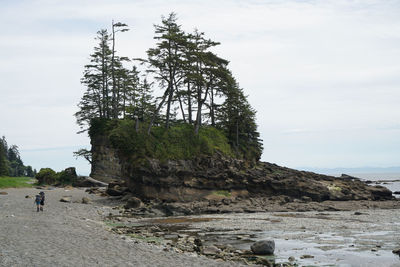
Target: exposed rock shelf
{"type": "Point", "coordinates": [219, 177]}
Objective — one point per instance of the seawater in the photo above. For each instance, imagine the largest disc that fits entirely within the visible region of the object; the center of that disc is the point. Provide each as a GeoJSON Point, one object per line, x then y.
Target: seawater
{"type": "Point", "coordinates": [389, 180]}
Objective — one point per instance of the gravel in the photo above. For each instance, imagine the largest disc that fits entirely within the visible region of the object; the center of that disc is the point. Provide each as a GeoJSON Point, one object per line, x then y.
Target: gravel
{"type": "Point", "coordinates": [74, 234]}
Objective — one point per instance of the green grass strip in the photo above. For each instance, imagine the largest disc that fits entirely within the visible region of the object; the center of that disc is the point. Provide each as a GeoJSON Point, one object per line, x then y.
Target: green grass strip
{"type": "Point", "coordinates": [16, 182]}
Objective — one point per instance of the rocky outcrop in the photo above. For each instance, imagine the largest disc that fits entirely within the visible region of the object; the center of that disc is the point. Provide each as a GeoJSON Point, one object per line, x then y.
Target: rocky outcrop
{"type": "Point", "coordinates": [218, 177]}
{"type": "Point", "coordinates": [106, 165]}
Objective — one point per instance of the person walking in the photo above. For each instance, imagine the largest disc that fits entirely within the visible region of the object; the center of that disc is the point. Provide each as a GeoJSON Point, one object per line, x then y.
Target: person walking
{"type": "Point", "coordinates": [37, 201]}
{"type": "Point", "coordinates": [42, 198]}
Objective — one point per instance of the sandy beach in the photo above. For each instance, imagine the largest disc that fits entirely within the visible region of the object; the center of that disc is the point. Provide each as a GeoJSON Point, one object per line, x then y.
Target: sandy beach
{"type": "Point", "coordinates": [73, 234]}
{"type": "Point", "coordinates": [76, 234]}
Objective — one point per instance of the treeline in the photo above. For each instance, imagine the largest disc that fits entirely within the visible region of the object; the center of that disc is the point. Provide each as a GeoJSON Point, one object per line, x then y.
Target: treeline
{"type": "Point", "coordinates": [11, 163]}
{"type": "Point", "coordinates": [196, 86]}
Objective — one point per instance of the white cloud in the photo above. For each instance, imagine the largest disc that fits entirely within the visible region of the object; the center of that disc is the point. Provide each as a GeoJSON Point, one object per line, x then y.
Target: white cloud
{"type": "Point", "coordinates": [323, 75]}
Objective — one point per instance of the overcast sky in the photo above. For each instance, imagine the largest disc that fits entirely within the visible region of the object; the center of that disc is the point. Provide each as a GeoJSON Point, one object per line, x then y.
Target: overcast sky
{"type": "Point", "coordinates": [324, 75]}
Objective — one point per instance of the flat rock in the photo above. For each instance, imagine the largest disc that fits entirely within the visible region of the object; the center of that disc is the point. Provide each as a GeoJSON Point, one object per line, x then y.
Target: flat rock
{"type": "Point", "coordinates": [211, 250]}
{"type": "Point", "coordinates": [3, 193]}
{"type": "Point", "coordinates": [306, 257]}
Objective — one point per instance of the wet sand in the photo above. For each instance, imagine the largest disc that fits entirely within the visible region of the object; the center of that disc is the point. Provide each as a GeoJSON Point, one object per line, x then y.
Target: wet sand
{"type": "Point", "coordinates": [74, 234]}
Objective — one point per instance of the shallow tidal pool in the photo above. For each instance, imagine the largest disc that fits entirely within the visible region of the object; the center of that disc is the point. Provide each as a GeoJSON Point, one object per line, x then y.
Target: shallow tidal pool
{"type": "Point", "coordinates": [342, 238]}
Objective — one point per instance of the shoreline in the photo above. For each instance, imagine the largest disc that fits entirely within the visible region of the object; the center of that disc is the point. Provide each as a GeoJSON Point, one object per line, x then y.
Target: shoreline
{"type": "Point", "coordinates": [103, 232]}
{"type": "Point", "coordinates": [74, 234]}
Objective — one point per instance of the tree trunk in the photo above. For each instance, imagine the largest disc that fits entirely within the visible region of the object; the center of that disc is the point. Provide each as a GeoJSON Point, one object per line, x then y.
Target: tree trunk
{"type": "Point", "coordinates": [168, 107]}
{"type": "Point", "coordinates": [212, 107]}
{"type": "Point", "coordinates": [189, 105]}
{"type": "Point", "coordinates": [180, 104]}
{"type": "Point", "coordinates": [112, 70]}
{"type": "Point", "coordinates": [199, 107]}
{"type": "Point", "coordinates": [156, 112]}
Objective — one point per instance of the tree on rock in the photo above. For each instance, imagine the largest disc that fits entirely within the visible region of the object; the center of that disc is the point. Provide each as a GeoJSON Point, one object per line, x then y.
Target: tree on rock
{"type": "Point", "coordinates": [96, 101]}
{"type": "Point", "coordinates": [238, 120]}
{"type": "Point", "coordinates": [165, 61]}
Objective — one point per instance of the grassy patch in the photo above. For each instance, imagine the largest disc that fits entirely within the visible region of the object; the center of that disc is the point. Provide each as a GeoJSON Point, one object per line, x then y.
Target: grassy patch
{"type": "Point", "coordinates": [147, 239]}
{"type": "Point", "coordinates": [16, 182]}
{"type": "Point", "coordinates": [178, 142]}
{"type": "Point", "coordinates": [334, 188]}
{"type": "Point", "coordinates": [223, 193]}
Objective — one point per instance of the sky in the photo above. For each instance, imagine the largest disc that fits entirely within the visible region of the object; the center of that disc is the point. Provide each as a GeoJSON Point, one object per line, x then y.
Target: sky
{"type": "Point", "coordinates": [324, 76]}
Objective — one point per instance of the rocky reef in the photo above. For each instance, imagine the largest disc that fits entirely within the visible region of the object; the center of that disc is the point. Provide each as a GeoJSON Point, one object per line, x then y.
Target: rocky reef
{"type": "Point", "coordinates": [216, 177]}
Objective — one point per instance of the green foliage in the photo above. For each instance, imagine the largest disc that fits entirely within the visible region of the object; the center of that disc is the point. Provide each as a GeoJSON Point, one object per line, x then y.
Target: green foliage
{"type": "Point", "coordinates": [238, 121]}
{"type": "Point", "coordinates": [83, 152]}
{"type": "Point", "coordinates": [46, 176]}
{"type": "Point", "coordinates": [67, 176]}
{"type": "Point", "coordinates": [16, 182]}
{"type": "Point", "coordinates": [99, 126]}
{"type": "Point", "coordinates": [50, 177]}
{"type": "Point", "coordinates": [198, 94]}
{"type": "Point", "coordinates": [4, 168]}
{"type": "Point", "coordinates": [223, 193]}
{"type": "Point", "coordinates": [177, 142]}
{"type": "Point", "coordinates": [10, 161]}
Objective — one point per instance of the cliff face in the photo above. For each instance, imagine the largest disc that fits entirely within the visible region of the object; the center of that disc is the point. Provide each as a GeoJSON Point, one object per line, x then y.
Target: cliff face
{"type": "Point", "coordinates": [106, 164]}
{"type": "Point", "coordinates": [211, 177]}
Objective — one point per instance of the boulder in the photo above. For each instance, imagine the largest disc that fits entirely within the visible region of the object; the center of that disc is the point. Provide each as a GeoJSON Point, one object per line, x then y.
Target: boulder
{"type": "Point", "coordinates": [133, 203]}
{"type": "Point", "coordinates": [66, 199]}
{"type": "Point", "coordinates": [86, 200]}
{"type": "Point", "coordinates": [264, 247]}
{"type": "Point", "coordinates": [211, 250]}
{"type": "Point", "coordinates": [114, 191]}
{"type": "Point", "coordinates": [396, 251]}
{"type": "Point", "coordinates": [117, 188]}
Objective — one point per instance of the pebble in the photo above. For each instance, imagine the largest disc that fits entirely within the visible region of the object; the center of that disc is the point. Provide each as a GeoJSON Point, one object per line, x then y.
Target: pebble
{"type": "Point", "coordinates": [306, 257]}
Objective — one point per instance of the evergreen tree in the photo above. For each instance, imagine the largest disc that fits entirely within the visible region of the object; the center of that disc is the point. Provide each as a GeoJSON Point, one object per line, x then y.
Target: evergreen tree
{"type": "Point", "coordinates": [204, 75]}
{"type": "Point", "coordinates": [196, 84]}
{"type": "Point", "coordinates": [29, 171]}
{"type": "Point", "coordinates": [165, 62]}
{"type": "Point", "coordinates": [10, 160]}
{"type": "Point", "coordinates": [96, 102]}
{"type": "Point", "coordinates": [237, 118]}
{"type": "Point", "coordinates": [4, 168]}
{"type": "Point", "coordinates": [116, 67]}
{"type": "Point", "coordinates": [146, 105]}
{"type": "Point", "coordinates": [131, 93]}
